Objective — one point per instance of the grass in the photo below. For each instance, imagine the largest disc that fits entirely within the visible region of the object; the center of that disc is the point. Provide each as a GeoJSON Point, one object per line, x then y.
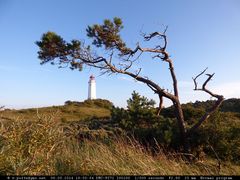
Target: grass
{"type": "Point", "coordinates": [70, 112]}
{"type": "Point", "coordinates": [47, 146]}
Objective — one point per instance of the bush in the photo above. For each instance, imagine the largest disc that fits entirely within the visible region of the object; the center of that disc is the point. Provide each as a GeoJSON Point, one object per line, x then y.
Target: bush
{"type": "Point", "coordinates": [99, 103]}
{"type": "Point", "coordinates": [219, 136]}
{"type": "Point", "coordinates": [103, 103]}
{"type": "Point", "coordinates": [140, 112]}
{"type": "Point", "coordinates": [140, 120]}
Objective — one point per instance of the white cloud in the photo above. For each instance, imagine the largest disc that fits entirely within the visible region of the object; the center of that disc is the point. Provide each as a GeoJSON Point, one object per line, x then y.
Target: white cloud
{"type": "Point", "coordinates": [228, 90]}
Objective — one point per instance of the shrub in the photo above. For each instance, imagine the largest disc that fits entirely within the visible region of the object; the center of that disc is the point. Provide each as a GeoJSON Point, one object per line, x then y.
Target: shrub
{"type": "Point", "coordinates": [99, 103]}
{"type": "Point", "coordinates": [140, 120]}
{"type": "Point", "coordinates": [92, 103]}
{"type": "Point", "coordinates": [219, 136]}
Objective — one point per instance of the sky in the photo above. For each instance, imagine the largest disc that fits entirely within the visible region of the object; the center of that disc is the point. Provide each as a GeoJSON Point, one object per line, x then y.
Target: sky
{"type": "Point", "coordinates": [201, 33]}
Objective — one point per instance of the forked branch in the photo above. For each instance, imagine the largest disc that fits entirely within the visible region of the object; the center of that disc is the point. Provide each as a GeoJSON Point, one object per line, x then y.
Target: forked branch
{"type": "Point", "coordinates": [158, 34]}
{"type": "Point", "coordinates": [210, 111]}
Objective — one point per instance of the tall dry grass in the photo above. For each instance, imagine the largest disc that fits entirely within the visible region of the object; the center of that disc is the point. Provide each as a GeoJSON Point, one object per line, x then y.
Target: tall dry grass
{"type": "Point", "coordinates": [42, 147]}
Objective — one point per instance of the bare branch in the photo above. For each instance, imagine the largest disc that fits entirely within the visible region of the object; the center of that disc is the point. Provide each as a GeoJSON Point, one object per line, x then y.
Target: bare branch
{"type": "Point", "coordinates": [158, 56]}
{"type": "Point", "coordinates": [157, 34]}
{"type": "Point", "coordinates": [165, 30]}
{"type": "Point", "coordinates": [150, 36]}
{"type": "Point", "coordinates": [162, 54]}
{"type": "Point", "coordinates": [173, 75]}
{"type": "Point", "coordinates": [208, 79]}
{"type": "Point", "coordinates": [138, 72]}
{"type": "Point", "coordinates": [129, 66]}
{"type": "Point", "coordinates": [137, 57]}
{"type": "Point", "coordinates": [210, 111]}
{"type": "Point", "coordinates": [195, 79]}
{"type": "Point", "coordinates": [204, 84]}
{"type": "Point", "coordinates": [136, 76]}
{"type": "Point", "coordinates": [154, 90]}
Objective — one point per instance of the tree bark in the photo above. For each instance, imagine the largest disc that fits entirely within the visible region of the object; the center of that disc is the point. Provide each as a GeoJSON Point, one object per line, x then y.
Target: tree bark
{"type": "Point", "coordinates": [181, 124]}
{"type": "Point", "coordinates": [160, 105]}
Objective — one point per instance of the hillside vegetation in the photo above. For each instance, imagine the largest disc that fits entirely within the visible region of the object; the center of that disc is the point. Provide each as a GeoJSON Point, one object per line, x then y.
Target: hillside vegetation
{"type": "Point", "coordinates": [71, 111]}
{"type": "Point", "coordinates": [79, 137]}
{"type": "Point", "coordinates": [42, 147]}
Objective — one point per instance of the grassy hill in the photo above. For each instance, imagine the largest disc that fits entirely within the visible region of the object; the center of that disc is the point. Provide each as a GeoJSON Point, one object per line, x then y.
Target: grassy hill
{"type": "Point", "coordinates": [79, 137]}
{"type": "Point", "coordinates": [71, 111]}
{"type": "Point", "coordinates": [75, 111]}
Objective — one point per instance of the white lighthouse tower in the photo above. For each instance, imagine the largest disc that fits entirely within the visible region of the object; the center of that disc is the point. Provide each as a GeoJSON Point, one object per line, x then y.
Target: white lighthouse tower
{"type": "Point", "coordinates": [92, 88]}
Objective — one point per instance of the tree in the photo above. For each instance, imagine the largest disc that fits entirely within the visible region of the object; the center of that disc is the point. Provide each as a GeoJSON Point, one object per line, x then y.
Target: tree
{"type": "Point", "coordinates": [140, 108]}
{"type": "Point", "coordinates": [119, 59]}
{"type": "Point", "coordinates": [140, 112]}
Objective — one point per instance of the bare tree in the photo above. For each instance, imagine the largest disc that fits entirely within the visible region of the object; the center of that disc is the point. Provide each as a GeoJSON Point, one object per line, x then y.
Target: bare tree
{"type": "Point", "coordinates": [119, 60]}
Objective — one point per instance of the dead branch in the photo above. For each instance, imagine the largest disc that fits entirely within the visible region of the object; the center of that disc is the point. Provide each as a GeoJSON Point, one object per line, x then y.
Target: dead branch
{"type": "Point", "coordinates": [210, 111]}
{"type": "Point", "coordinates": [158, 34]}
{"type": "Point", "coordinates": [195, 79]}
{"type": "Point", "coordinates": [204, 85]}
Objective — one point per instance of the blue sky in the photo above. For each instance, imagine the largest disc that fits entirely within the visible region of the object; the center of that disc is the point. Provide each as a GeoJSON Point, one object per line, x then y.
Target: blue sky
{"type": "Point", "coordinates": [200, 33]}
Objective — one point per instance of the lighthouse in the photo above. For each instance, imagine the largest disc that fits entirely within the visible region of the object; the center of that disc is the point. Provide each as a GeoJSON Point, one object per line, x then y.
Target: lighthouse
{"type": "Point", "coordinates": [92, 88]}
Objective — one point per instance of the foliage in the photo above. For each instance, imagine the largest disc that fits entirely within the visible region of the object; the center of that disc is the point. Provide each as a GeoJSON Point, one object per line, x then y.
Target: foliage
{"type": "Point", "coordinates": [139, 112]}
{"type": "Point", "coordinates": [102, 103]}
{"type": "Point", "coordinates": [231, 105]}
{"type": "Point", "coordinates": [71, 111]}
{"type": "Point", "coordinates": [141, 121]}
{"type": "Point", "coordinates": [221, 134]}
{"type": "Point", "coordinates": [219, 137]}
{"type": "Point", "coordinates": [75, 54]}
{"type": "Point", "coordinates": [107, 35]}
{"type": "Point", "coordinates": [53, 46]}
{"type": "Point", "coordinates": [99, 103]}
{"type": "Point", "coordinates": [47, 147]}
